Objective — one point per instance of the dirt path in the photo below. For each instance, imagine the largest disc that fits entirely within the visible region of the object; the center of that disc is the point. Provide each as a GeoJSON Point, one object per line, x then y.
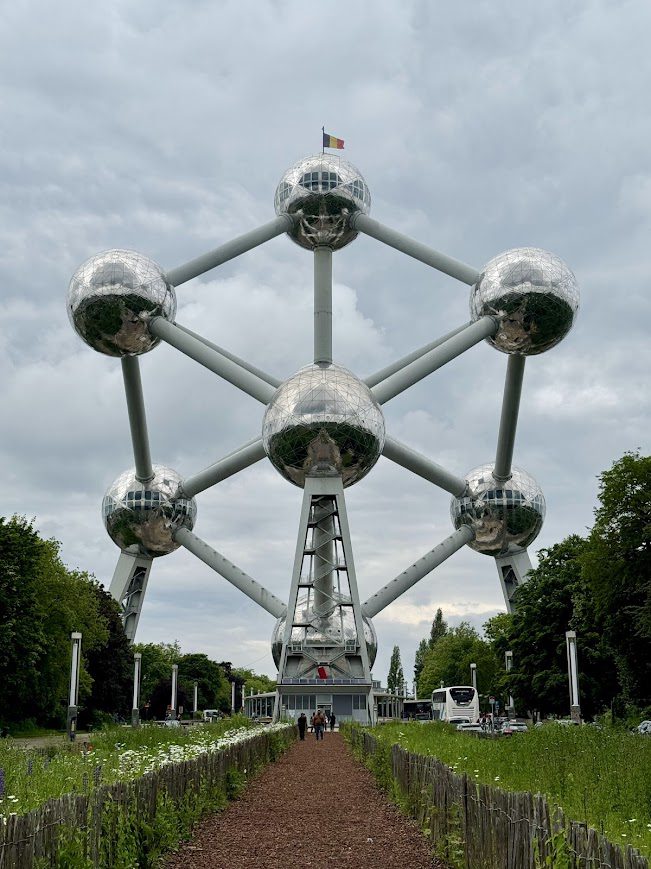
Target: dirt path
{"type": "Point", "coordinates": [317, 806]}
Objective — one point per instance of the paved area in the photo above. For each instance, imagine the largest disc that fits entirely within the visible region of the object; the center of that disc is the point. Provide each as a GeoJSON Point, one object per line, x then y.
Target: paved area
{"type": "Point", "coordinates": [317, 806]}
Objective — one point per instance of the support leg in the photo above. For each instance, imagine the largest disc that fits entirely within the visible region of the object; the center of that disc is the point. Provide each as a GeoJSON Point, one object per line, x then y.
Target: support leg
{"type": "Point", "coordinates": [128, 587]}
{"type": "Point", "coordinates": [512, 570]}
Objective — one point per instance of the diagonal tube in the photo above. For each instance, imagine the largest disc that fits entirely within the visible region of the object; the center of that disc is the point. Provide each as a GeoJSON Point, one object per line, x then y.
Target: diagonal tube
{"type": "Point", "coordinates": [398, 365]}
{"type": "Point", "coordinates": [230, 250]}
{"type": "Point", "coordinates": [402, 583]}
{"type": "Point", "coordinates": [211, 359]}
{"type": "Point", "coordinates": [238, 460]}
{"type": "Point", "coordinates": [137, 418]}
{"type": "Point", "coordinates": [242, 581]}
{"type": "Point", "coordinates": [453, 347]}
{"type": "Point", "coordinates": [509, 417]}
{"type": "Point", "coordinates": [268, 378]}
{"type": "Point", "coordinates": [434, 258]}
{"type": "Point", "coordinates": [423, 467]}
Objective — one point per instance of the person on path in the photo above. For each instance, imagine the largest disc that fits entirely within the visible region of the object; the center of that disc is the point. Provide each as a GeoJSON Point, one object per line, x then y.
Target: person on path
{"type": "Point", "coordinates": [318, 722]}
{"type": "Point", "coordinates": [333, 721]}
{"type": "Point", "coordinates": [302, 725]}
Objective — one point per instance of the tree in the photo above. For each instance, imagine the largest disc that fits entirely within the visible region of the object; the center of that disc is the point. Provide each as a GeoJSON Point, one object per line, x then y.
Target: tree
{"type": "Point", "coordinates": [419, 658]}
{"type": "Point", "coordinates": [110, 665]}
{"type": "Point", "coordinates": [212, 684]}
{"type": "Point", "coordinates": [449, 661]}
{"type": "Point", "coordinates": [439, 629]}
{"type": "Point", "coordinates": [557, 598]}
{"type": "Point", "coordinates": [396, 678]}
{"type": "Point", "coordinates": [156, 665]}
{"type": "Point", "coordinates": [617, 566]}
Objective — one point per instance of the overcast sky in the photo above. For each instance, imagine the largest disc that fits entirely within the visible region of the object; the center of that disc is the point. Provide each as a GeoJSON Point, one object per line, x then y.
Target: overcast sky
{"type": "Point", "coordinates": [164, 127]}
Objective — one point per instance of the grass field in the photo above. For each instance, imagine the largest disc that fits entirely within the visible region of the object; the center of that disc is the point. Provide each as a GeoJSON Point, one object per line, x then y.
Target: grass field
{"type": "Point", "coordinates": [602, 777]}
{"type": "Point", "coordinates": [30, 777]}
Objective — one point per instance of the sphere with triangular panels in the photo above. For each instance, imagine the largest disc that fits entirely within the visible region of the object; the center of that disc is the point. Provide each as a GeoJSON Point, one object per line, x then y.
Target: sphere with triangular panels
{"type": "Point", "coordinates": [504, 516]}
{"type": "Point", "coordinates": [535, 296]}
{"type": "Point", "coordinates": [142, 518]}
{"type": "Point", "coordinates": [324, 631]}
{"type": "Point", "coordinates": [322, 193]}
{"type": "Point", "coordinates": [111, 298]}
{"type": "Point", "coordinates": [323, 421]}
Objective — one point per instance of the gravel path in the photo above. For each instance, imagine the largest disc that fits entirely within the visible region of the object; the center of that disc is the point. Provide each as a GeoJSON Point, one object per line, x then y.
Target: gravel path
{"type": "Point", "coordinates": [316, 806]}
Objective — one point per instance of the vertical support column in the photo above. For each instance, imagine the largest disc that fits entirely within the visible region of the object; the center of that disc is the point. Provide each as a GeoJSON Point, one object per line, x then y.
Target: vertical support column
{"type": "Point", "coordinates": [73, 695]}
{"type": "Point", "coordinates": [509, 417]}
{"type": "Point", "coordinates": [323, 305]}
{"type": "Point", "coordinates": [473, 676]}
{"type": "Point", "coordinates": [573, 675]}
{"type": "Point", "coordinates": [135, 708]}
{"type": "Point", "coordinates": [137, 418]}
{"type": "Point", "coordinates": [508, 666]}
{"type": "Point", "coordinates": [173, 703]}
{"type": "Point", "coordinates": [324, 556]}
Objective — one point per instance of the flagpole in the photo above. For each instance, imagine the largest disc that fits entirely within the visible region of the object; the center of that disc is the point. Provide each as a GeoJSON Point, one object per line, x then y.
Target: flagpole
{"type": "Point", "coordinates": [323, 140]}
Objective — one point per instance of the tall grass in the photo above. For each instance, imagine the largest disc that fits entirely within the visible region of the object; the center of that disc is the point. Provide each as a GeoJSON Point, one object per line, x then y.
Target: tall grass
{"type": "Point", "coordinates": [600, 777]}
{"type": "Point", "coordinates": [30, 777]}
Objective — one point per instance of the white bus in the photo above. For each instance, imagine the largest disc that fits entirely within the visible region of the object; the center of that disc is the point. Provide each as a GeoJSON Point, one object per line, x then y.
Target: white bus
{"type": "Point", "coordinates": [457, 704]}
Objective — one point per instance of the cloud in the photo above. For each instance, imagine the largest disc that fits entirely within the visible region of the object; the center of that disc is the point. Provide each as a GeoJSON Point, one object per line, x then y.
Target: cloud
{"type": "Point", "coordinates": [166, 129]}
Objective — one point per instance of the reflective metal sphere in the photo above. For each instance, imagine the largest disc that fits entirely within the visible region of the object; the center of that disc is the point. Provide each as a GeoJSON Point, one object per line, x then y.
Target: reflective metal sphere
{"type": "Point", "coordinates": [141, 518]}
{"type": "Point", "coordinates": [323, 421]}
{"type": "Point", "coordinates": [112, 296]}
{"type": "Point", "coordinates": [534, 293]}
{"type": "Point", "coordinates": [324, 631]}
{"type": "Point", "coordinates": [323, 192]}
{"type": "Point", "coordinates": [504, 516]}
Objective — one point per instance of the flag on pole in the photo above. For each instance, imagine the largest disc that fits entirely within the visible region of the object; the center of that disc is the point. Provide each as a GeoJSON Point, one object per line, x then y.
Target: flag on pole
{"type": "Point", "coordinates": [332, 141]}
{"type": "Point", "coordinates": [323, 673]}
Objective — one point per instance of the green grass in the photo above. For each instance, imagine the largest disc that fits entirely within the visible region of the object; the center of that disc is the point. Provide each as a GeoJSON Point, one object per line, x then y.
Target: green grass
{"type": "Point", "coordinates": [602, 777]}
{"type": "Point", "coordinates": [32, 776]}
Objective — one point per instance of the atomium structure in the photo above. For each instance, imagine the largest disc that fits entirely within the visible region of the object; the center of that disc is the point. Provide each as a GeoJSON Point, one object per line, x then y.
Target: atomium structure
{"type": "Point", "coordinates": [322, 429]}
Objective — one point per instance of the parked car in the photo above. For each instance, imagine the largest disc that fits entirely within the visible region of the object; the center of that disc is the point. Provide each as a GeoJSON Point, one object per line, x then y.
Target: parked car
{"type": "Point", "coordinates": [510, 727]}
{"type": "Point", "coordinates": [458, 719]}
{"type": "Point", "coordinates": [470, 727]}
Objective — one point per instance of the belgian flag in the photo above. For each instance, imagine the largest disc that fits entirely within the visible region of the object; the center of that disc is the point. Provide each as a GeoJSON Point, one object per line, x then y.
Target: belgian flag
{"type": "Point", "coordinates": [332, 141]}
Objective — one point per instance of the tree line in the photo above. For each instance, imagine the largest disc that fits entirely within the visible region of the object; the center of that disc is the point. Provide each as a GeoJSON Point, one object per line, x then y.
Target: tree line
{"type": "Point", "coordinates": [598, 585]}
{"type": "Point", "coordinates": [41, 603]}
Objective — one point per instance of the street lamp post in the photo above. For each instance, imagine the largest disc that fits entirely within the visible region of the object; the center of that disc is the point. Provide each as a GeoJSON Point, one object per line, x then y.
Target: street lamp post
{"type": "Point", "coordinates": [508, 665]}
{"type": "Point", "coordinates": [73, 696]}
{"type": "Point", "coordinates": [473, 676]}
{"type": "Point", "coordinates": [573, 675]}
{"type": "Point", "coordinates": [135, 709]}
{"type": "Point", "coordinates": [175, 675]}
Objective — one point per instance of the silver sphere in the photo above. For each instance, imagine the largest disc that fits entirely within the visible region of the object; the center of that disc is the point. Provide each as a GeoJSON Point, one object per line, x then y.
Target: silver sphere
{"type": "Point", "coordinates": [323, 192]}
{"type": "Point", "coordinates": [141, 518]}
{"type": "Point", "coordinates": [323, 421]}
{"type": "Point", "coordinates": [112, 296]}
{"type": "Point", "coordinates": [329, 631]}
{"type": "Point", "coordinates": [505, 516]}
{"type": "Point", "coordinates": [535, 295]}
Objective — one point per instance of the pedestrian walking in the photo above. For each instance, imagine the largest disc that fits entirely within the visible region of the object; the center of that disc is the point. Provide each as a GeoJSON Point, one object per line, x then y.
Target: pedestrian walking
{"type": "Point", "coordinates": [333, 721]}
{"type": "Point", "coordinates": [302, 725]}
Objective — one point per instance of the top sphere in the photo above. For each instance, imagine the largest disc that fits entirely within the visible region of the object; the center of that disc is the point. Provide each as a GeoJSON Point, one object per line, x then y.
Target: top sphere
{"type": "Point", "coordinates": [141, 518]}
{"type": "Point", "coordinates": [112, 296]}
{"type": "Point", "coordinates": [323, 421]}
{"type": "Point", "coordinates": [505, 516]}
{"type": "Point", "coordinates": [534, 294]}
{"type": "Point", "coordinates": [323, 192]}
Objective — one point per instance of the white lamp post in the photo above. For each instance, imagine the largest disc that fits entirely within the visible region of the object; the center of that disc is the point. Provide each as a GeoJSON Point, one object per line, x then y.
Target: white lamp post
{"type": "Point", "coordinates": [73, 696]}
{"type": "Point", "coordinates": [573, 675]}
